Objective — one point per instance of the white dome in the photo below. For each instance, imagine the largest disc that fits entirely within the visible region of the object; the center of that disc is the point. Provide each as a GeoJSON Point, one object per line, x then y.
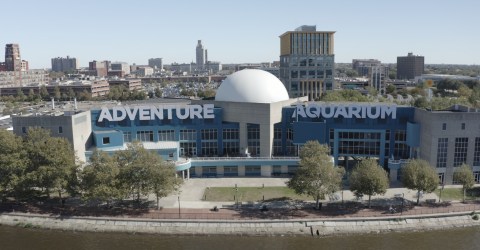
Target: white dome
{"type": "Point", "coordinates": [253, 86]}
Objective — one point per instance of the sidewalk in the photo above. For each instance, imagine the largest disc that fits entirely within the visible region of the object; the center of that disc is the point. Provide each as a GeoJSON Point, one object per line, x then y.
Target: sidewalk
{"type": "Point", "coordinates": [191, 193]}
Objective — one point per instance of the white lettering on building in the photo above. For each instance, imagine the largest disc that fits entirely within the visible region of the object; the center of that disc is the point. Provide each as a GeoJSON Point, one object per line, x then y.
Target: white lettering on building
{"type": "Point", "coordinates": [314, 110]}
{"type": "Point", "coordinates": [156, 112]}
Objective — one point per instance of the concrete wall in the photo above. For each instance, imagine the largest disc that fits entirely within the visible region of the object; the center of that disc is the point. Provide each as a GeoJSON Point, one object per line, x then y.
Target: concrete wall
{"type": "Point", "coordinates": [244, 227]}
{"type": "Point", "coordinates": [431, 128]}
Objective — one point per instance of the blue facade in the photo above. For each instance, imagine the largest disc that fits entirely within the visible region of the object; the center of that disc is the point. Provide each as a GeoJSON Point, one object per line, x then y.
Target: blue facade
{"type": "Point", "coordinates": [218, 142]}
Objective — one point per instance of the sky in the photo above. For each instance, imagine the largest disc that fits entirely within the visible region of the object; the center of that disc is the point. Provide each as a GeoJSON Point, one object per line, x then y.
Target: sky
{"type": "Point", "coordinates": [242, 31]}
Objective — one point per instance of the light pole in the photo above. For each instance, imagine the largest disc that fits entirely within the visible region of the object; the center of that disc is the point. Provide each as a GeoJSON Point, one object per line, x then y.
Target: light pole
{"type": "Point", "coordinates": [179, 215]}
{"type": "Point", "coordinates": [441, 189]}
{"type": "Point", "coordinates": [403, 202]}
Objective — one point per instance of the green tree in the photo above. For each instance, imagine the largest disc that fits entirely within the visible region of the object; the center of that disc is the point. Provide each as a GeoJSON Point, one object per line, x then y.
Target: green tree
{"type": "Point", "coordinates": [56, 93]}
{"type": "Point", "coordinates": [368, 178]}
{"type": "Point", "coordinates": [162, 178]}
{"type": "Point", "coordinates": [316, 175]}
{"type": "Point", "coordinates": [44, 92]}
{"type": "Point", "coordinates": [100, 178]}
{"type": "Point", "coordinates": [464, 176]}
{"type": "Point", "coordinates": [20, 95]}
{"type": "Point", "coordinates": [134, 163]}
{"type": "Point", "coordinates": [13, 162]}
{"type": "Point", "coordinates": [52, 162]}
{"type": "Point", "coordinates": [158, 92]}
{"type": "Point", "coordinates": [390, 89]}
{"type": "Point", "coordinates": [420, 176]}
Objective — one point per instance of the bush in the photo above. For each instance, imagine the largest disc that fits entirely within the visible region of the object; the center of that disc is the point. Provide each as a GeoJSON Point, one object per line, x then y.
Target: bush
{"type": "Point", "coordinates": [475, 217]}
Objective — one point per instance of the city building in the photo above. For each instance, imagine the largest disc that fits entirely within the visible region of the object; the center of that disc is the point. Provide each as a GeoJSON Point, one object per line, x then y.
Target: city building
{"type": "Point", "coordinates": [362, 66]}
{"type": "Point", "coordinates": [143, 71]}
{"type": "Point", "coordinates": [200, 56]}
{"type": "Point", "coordinates": [307, 61]}
{"type": "Point", "coordinates": [24, 78]}
{"type": "Point", "coordinates": [67, 89]}
{"type": "Point", "coordinates": [377, 77]}
{"type": "Point", "coordinates": [120, 69]}
{"type": "Point", "coordinates": [156, 63]}
{"type": "Point", "coordinates": [13, 61]}
{"type": "Point", "coordinates": [97, 68]}
{"type": "Point", "coordinates": [410, 66]}
{"type": "Point", "coordinates": [130, 84]}
{"type": "Point", "coordinates": [62, 64]}
{"type": "Point", "coordinates": [253, 128]}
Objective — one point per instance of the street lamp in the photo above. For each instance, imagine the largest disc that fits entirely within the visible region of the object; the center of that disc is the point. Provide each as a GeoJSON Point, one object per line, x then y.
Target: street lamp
{"type": "Point", "coordinates": [441, 189]}
{"type": "Point", "coordinates": [179, 215]}
{"type": "Point", "coordinates": [403, 202]}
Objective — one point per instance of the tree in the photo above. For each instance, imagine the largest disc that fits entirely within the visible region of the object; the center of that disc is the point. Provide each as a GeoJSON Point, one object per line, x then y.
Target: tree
{"type": "Point", "coordinates": [316, 175]}
{"type": "Point", "coordinates": [13, 161]}
{"type": "Point", "coordinates": [44, 92]}
{"type": "Point", "coordinates": [134, 173]}
{"type": "Point", "coordinates": [56, 93]}
{"type": "Point", "coordinates": [158, 92]}
{"type": "Point", "coordinates": [162, 178]}
{"type": "Point", "coordinates": [368, 178]}
{"type": "Point", "coordinates": [391, 89]}
{"type": "Point", "coordinates": [420, 176]}
{"type": "Point", "coordinates": [100, 178]}
{"type": "Point", "coordinates": [52, 162]}
{"type": "Point", "coordinates": [464, 176]}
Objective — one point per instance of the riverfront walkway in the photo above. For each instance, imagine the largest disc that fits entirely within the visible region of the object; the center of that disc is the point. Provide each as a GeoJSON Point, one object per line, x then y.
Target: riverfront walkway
{"type": "Point", "coordinates": [189, 204]}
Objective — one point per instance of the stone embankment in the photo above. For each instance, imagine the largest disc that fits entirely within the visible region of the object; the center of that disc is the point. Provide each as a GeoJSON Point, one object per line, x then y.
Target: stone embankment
{"type": "Point", "coordinates": [321, 227]}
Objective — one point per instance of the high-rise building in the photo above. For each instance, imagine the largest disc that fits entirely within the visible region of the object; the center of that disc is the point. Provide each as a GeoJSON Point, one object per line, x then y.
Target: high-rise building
{"type": "Point", "coordinates": [61, 64]}
{"type": "Point", "coordinates": [362, 66]}
{"type": "Point", "coordinates": [307, 61]}
{"type": "Point", "coordinates": [410, 66]}
{"type": "Point", "coordinates": [97, 68]}
{"type": "Point", "coordinates": [13, 61]}
{"type": "Point", "coordinates": [156, 62]}
{"type": "Point", "coordinates": [120, 67]}
{"type": "Point", "coordinates": [200, 55]}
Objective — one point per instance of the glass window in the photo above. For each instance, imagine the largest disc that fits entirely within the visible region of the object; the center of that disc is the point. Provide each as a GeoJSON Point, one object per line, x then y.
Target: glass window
{"type": "Point", "coordinates": [166, 135]}
{"type": "Point", "coordinates": [145, 136]}
{"type": "Point", "coordinates": [463, 126]}
{"type": "Point", "coordinates": [188, 135]}
{"type": "Point", "coordinates": [476, 152]}
{"type": "Point", "coordinates": [231, 134]}
{"type": "Point", "coordinates": [444, 126]}
{"type": "Point", "coordinates": [60, 130]}
{"type": "Point", "coordinates": [127, 136]}
{"type": "Point", "coordinates": [209, 134]}
{"type": "Point", "coordinates": [461, 147]}
{"type": "Point", "coordinates": [106, 140]}
{"type": "Point", "coordinates": [442, 149]}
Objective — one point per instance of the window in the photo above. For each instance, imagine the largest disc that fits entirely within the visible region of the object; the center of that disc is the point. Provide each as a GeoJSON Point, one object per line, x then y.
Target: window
{"type": "Point", "coordinates": [106, 140]}
{"type": "Point", "coordinates": [231, 134]}
{"type": "Point", "coordinates": [188, 135]}
{"type": "Point", "coordinates": [209, 134]}
{"type": "Point", "coordinates": [444, 126]}
{"type": "Point", "coordinates": [463, 126]}
{"type": "Point", "coordinates": [60, 130]}
{"type": "Point", "coordinates": [24, 130]}
{"type": "Point", "coordinates": [442, 149]}
{"type": "Point", "coordinates": [166, 135]}
{"type": "Point", "coordinates": [461, 147]}
{"type": "Point", "coordinates": [145, 136]}
{"type": "Point", "coordinates": [127, 136]}
{"type": "Point", "coordinates": [476, 152]}
{"type": "Point", "coordinates": [209, 148]}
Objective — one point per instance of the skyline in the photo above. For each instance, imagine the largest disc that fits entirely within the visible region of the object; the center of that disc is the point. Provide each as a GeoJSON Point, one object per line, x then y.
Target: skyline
{"type": "Point", "coordinates": [244, 33]}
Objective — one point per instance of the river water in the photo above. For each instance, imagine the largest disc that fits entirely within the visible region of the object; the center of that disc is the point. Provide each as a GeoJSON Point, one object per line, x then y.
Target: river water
{"type": "Point", "coordinates": [26, 238]}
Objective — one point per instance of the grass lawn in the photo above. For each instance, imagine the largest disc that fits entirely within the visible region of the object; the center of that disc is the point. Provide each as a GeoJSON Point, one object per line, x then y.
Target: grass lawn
{"type": "Point", "coordinates": [450, 194]}
{"type": "Point", "coordinates": [251, 194]}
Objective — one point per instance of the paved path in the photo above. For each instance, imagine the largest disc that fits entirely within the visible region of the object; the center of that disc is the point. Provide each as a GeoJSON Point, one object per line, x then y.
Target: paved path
{"type": "Point", "coordinates": [191, 193]}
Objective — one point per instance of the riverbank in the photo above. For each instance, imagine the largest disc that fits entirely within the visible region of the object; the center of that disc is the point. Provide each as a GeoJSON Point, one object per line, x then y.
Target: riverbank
{"type": "Point", "coordinates": [309, 227]}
